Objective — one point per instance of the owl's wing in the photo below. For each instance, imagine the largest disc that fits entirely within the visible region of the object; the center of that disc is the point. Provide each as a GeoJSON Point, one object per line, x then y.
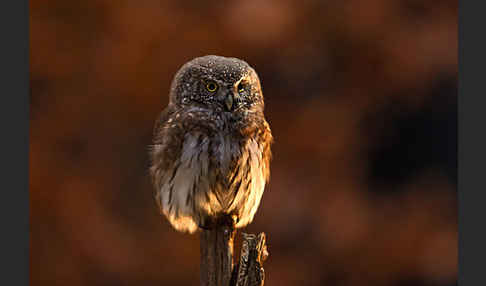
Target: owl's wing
{"type": "Point", "coordinates": [267, 141]}
{"type": "Point", "coordinates": [165, 149]}
{"type": "Point", "coordinates": [173, 170]}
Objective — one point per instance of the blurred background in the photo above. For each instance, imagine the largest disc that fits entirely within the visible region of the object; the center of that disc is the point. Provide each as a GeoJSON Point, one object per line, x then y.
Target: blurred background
{"type": "Point", "coordinates": [361, 98]}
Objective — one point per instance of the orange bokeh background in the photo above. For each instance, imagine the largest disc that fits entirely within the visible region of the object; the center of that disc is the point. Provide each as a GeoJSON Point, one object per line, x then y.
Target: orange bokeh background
{"type": "Point", "coordinates": [361, 98]}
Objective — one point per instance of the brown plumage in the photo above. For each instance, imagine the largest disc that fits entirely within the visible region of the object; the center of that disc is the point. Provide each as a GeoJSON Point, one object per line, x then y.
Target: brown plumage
{"type": "Point", "coordinates": [211, 146]}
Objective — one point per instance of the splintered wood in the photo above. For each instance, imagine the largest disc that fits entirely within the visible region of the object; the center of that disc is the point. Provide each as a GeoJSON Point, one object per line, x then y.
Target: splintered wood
{"type": "Point", "coordinates": [253, 253]}
{"type": "Point", "coordinates": [217, 267]}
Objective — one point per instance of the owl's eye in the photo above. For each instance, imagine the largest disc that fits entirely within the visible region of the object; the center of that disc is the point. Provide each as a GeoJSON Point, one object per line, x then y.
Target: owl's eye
{"type": "Point", "coordinates": [241, 87]}
{"type": "Point", "coordinates": [211, 86]}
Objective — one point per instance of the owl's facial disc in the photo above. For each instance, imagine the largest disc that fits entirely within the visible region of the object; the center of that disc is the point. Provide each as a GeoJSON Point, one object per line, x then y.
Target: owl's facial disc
{"type": "Point", "coordinates": [218, 84]}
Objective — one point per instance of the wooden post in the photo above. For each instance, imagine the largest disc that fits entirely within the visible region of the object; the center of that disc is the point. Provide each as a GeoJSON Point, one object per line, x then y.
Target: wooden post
{"type": "Point", "coordinates": [217, 269]}
{"type": "Point", "coordinates": [217, 254]}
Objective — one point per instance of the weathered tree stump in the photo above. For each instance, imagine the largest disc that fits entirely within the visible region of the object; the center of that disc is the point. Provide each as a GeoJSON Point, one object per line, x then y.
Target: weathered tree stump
{"type": "Point", "coordinates": [217, 256]}
{"type": "Point", "coordinates": [250, 269]}
{"type": "Point", "coordinates": [217, 269]}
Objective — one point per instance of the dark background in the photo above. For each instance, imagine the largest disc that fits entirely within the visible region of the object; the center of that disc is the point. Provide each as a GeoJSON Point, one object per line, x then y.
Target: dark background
{"type": "Point", "coordinates": [361, 98]}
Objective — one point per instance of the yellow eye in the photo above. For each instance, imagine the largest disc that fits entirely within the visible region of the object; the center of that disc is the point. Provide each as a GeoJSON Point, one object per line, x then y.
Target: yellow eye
{"type": "Point", "coordinates": [241, 88]}
{"type": "Point", "coordinates": [211, 86]}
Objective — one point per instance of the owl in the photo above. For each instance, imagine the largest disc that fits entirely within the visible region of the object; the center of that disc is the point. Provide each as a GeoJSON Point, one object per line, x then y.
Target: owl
{"type": "Point", "coordinates": [210, 156]}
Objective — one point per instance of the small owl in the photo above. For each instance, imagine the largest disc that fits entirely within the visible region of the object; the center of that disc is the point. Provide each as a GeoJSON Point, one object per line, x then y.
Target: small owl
{"type": "Point", "coordinates": [211, 146]}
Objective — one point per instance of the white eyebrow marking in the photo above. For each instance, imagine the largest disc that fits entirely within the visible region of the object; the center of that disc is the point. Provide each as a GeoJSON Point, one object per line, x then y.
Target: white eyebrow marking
{"type": "Point", "coordinates": [245, 79]}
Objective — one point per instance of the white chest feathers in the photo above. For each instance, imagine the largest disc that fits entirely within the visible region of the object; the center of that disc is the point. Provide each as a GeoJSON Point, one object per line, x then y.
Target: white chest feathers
{"type": "Point", "coordinates": [211, 178]}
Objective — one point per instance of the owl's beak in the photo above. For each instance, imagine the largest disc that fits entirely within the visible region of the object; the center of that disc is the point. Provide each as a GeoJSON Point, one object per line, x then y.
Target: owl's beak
{"type": "Point", "coordinates": [228, 101]}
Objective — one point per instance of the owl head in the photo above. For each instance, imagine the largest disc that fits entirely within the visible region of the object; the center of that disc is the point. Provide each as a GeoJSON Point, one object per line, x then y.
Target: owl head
{"type": "Point", "coordinates": [218, 83]}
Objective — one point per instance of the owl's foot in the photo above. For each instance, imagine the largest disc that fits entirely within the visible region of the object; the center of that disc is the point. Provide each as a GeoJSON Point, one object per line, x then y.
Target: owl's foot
{"type": "Point", "coordinates": [204, 227]}
{"type": "Point", "coordinates": [228, 220]}
{"type": "Point", "coordinates": [211, 223]}
{"type": "Point", "coordinates": [206, 223]}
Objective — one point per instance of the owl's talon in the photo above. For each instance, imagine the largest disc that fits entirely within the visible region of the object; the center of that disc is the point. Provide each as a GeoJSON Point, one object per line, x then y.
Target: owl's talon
{"type": "Point", "coordinates": [204, 227]}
